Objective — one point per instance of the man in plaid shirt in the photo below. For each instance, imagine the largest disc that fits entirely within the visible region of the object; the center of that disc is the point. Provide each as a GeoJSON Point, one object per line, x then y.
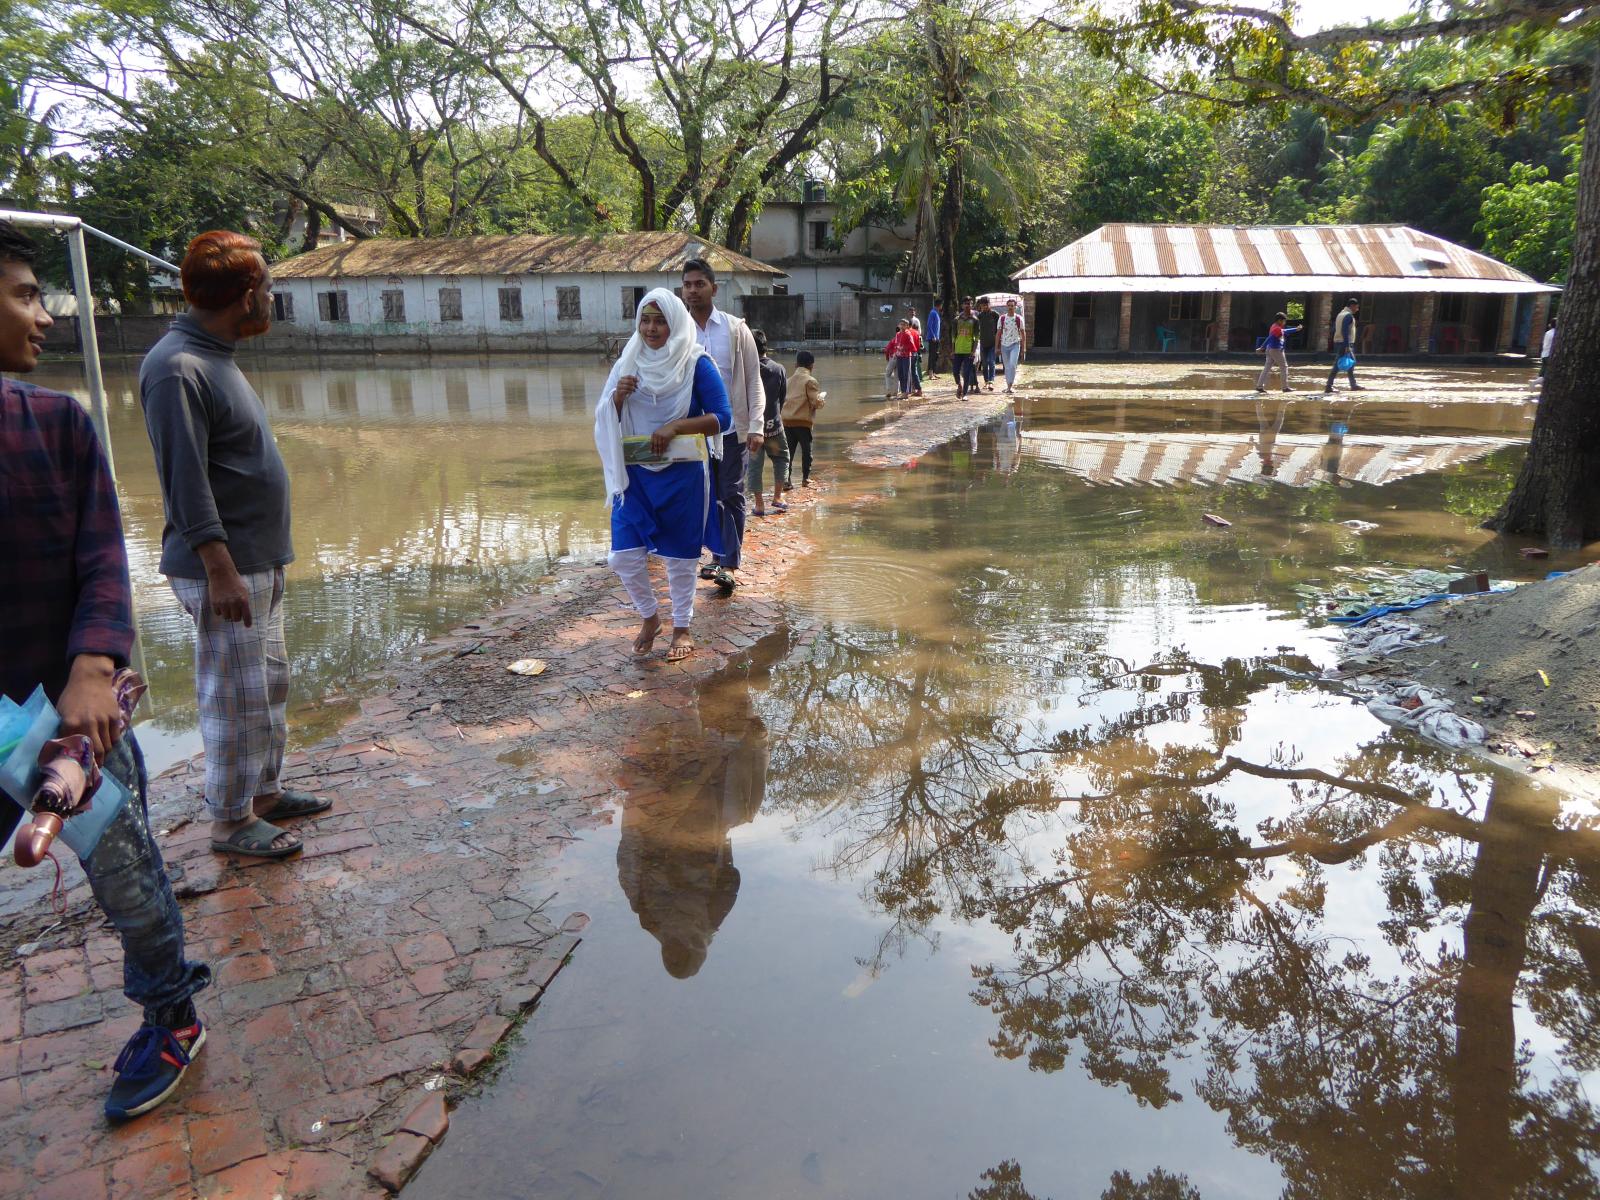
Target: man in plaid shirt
{"type": "Point", "coordinates": [66, 621]}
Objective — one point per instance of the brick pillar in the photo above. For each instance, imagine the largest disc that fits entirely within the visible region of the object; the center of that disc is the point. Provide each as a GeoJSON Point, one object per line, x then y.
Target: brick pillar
{"type": "Point", "coordinates": [1541, 316]}
{"type": "Point", "coordinates": [1125, 324]}
{"type": "Point", "coordinates": [1321, 321]}
{"type": "Point", "coordinates": [1508, 324]}
{"type": "Point", "coordinates": [1428, 304]}
{"type": "Point", "coordinates": [1223, 317]}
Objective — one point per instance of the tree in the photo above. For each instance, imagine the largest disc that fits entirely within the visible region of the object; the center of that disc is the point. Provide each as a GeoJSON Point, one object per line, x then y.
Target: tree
{"type": "Point", "coordinates": [1529, 220]}
{"type": "Point", "coordinates": [1507, 57]}
{"type": "Point", "coordinates": [1157, 168]}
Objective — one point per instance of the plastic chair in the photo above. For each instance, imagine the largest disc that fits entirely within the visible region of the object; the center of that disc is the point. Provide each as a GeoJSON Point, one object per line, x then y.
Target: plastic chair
{"type": "Point", "coordinates": [1167, 336]}
{"type": "Point", "coordinates": [1394, 340]}
{"type": "Point", "coordinates": [1449, 342]}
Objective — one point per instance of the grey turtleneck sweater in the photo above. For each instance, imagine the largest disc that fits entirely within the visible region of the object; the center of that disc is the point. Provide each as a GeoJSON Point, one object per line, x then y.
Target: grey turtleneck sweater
{"type": "Point", "coordinates": [222, 479]}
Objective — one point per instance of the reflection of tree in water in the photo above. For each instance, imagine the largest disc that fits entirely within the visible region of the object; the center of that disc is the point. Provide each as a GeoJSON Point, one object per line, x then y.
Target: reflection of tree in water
{"type": "Point", "coordinates": [692, 780]}
{"type": "Point", "coordinates": [1161, 927]}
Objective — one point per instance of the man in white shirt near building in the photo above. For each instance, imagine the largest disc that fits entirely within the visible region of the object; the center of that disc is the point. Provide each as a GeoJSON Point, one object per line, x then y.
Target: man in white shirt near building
{"type": "Point", "coordinates": [728, 341]}
{"type": "Point", "coordinates": [1547, 348]}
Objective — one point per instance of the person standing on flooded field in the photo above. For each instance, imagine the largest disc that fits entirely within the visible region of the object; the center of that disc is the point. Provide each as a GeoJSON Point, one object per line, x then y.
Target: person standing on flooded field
{"type": "Point", "coordinates": [664, 393]}
{"type": "Point", "coordinates": [66, 621]}
{"type": "Point", "coordinates": [1276, 353]}
{"type": "Point", "coordinates": [226, 540]}
{"type": "Point", "coordinates": [805, 397]}
{"type": "Point", "coordinates": [775, 386]}
{"type": "Point", "coordinates": [726, 338]}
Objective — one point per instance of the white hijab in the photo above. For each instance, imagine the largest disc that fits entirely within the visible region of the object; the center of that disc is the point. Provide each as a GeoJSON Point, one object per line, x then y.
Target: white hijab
{"type": "Point", "coordinates": [666, 387]}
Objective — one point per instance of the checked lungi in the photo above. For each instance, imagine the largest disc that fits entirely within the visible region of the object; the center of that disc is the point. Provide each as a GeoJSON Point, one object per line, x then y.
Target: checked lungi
{"type": "Point", "coordinates": [241, 678]}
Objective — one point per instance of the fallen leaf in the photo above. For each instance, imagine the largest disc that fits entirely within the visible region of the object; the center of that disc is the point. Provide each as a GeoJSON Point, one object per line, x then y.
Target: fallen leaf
{"type": "Point", "coordinates": [528, 666]}
{"type": "Point", "coordinates": [1543, 678]}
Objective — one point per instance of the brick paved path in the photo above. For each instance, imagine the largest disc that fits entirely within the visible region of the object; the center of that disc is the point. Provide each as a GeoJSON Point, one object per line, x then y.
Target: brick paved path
{"type": "Point", "coordinates": [920, 426]}
{"type": "Point", "coordinates": [397, 950]}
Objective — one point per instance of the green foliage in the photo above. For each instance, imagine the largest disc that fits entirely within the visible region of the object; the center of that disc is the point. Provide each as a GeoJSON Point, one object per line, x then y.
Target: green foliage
{"type": "Point", "coordinates": [1428, 173]}
{"type": "Point", "coordinates": [1530, 219]}
{"type": "Point", "coordinates": [1157, 168]}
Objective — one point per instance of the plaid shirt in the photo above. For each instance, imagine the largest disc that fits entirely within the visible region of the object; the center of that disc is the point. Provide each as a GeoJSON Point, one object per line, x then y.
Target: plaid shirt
{"type": "Point", "coordinates": [66, 589]}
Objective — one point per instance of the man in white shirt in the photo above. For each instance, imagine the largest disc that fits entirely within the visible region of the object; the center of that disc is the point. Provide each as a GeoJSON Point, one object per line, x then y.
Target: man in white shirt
{"type": "Point", "coordinates": [1547, 348]}
{"type": "Point", "coordinates": [727, 339]}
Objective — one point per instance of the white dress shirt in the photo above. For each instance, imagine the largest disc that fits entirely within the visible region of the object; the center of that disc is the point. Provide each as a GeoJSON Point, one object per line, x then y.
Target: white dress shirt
{"type": "Point", "coordinates": [716, 337]}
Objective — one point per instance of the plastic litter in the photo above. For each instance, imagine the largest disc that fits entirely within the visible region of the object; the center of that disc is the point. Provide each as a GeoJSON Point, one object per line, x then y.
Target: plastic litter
{"type": "Point", "coordinates": [528, 666]}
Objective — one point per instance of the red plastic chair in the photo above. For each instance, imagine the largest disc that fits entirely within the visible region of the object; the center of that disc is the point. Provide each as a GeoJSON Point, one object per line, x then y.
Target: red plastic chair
{"type": "Point", "coordinates": [1394, 341]}
{"type": "Point", "coordinates": [1449, 342]}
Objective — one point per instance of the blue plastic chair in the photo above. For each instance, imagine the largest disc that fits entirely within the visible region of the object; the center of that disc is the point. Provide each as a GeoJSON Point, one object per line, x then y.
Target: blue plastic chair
{"type": "Point", "coordinates": [1167, 336]}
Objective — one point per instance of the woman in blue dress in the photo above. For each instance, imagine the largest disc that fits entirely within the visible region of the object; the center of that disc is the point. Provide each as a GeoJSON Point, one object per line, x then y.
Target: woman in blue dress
{"type": "Point", "coordinates": [664, 387]}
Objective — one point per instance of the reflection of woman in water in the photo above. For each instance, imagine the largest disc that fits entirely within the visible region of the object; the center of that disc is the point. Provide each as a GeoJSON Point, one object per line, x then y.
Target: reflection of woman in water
{"type": "Point", "coordinates": [662, 387]}
{"type": "Point", "coordinates": [674, 856]}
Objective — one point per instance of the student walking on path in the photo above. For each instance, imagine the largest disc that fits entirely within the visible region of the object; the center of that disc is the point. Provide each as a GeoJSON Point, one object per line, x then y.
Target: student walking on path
{"type": "Point", "coordinates": [805, 398]}
{"type": "Point", "coordinates": [66, 621]}
{"type": "Point", "coordinates": [963, 345]}
{"type": "Point", "coordinates": [774, 445]}
{"type": "Point", "coordinates": [1274, 350]}
{"type": "Point", "coordinates": [1013, 333]}
{"type": "Point", "coordinates": [1344, 344]}
{"type": "Point", "coordinates": [226, 540]}
{"type": "Point", "coordinates": [664, 387]}
{"type": "Point", "coordinates": [988, 340]}
{"type": "Point", "coordinates": [726, 338]}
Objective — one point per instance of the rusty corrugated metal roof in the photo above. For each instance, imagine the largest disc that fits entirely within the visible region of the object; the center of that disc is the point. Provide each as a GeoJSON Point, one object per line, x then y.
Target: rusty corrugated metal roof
{"type": "Point", "coordinates": [662, 252]}
{"type": "Point", "coordinates": [1270, 257]}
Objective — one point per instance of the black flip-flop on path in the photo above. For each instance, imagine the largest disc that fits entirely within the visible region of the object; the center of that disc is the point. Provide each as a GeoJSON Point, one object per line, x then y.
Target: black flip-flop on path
{"type": "Point", "coordinates": [292, 804]}
{"type": "Point", "coordinates": [255, 841]}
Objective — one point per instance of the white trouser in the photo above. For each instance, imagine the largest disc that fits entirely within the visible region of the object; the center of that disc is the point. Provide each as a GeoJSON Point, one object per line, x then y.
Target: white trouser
{"type": "Point", "coordinates": [633, 568]}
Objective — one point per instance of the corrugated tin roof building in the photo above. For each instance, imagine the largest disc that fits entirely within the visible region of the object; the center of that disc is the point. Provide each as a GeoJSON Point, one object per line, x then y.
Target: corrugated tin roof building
{"type": "Point", "coordinates": [1215, 287]}
{"type": "Point", "coordinates": [518, 291]}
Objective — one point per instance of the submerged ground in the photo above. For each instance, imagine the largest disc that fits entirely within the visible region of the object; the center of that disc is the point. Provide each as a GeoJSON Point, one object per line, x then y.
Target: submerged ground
{"type": "Point", "coordinates": [1013, 842]}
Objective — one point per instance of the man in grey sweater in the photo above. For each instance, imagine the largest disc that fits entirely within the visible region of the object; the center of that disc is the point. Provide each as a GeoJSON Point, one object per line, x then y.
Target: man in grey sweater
{"type": "Point", "coordinates": [226, 539]}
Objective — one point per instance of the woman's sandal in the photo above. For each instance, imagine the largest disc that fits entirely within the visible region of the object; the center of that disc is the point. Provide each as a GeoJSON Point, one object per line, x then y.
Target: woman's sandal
{"type": "Point", "coordinates": [679, 651]}
{"type": "Point", "coordinates": [255, 841]}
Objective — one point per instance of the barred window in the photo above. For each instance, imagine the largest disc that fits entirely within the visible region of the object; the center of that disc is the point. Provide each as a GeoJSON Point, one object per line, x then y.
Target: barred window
{"type": "Point", "coordinates": [282, 306]}
{"type": "Point", "coordinates": [333, 307]}
{"type": "Point", "coordinates": [510, 304]}
{"type": "Point", "coordinates": [631, 298]}
{"type": "Point", "coordinates": [568, 306]}
{"type": "Point", "coordinates": [394, 305]}
{"type": "Point", "coordinates": [449, 304]}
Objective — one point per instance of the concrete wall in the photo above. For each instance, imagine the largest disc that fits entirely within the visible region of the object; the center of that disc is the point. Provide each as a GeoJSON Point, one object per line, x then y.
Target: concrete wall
{"type": "Point", "coordinates": [782, 230]}
{"type": "Point", "coordinates": [876, 326]}
{"type": "Point", "coordinates": [781, 318]}
{"type": "Point", "coordinates": [115, 335]}
{"type": "Point", "coordinates": [600, 301]}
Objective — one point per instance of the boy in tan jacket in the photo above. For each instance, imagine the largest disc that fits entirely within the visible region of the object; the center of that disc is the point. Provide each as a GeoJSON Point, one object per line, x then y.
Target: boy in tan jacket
{"type": "Point", "coordinates": [800, 413]}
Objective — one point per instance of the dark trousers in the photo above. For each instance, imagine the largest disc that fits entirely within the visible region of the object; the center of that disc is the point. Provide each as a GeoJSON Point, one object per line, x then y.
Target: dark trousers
{"type": "Point", "coordinates": [1332, 374]}
{"type": "Point", "coordinates": [902, 370]}
{"type": "Point", "coordinates": [130, 884]}
{"type": "Point", "coordinates": [988, 364]}
{"type": "Point", "coordinates": [966, 373]}
{"type": "Point", "coordinates": [933, 358]}
{"type": "Point", "coordinates": [730, 494]}
{"type": "Point", "coordinates": [799, 447]}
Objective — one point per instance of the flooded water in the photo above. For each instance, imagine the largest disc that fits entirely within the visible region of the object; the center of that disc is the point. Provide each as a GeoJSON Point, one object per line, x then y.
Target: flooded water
{"type": "Point", "coordinates": [1044, 869]}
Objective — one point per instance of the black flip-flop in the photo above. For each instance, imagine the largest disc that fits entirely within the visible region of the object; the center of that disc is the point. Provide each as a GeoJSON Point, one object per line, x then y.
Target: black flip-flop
{"type": "Point", "coordinates": [709, 571]}
{"type": "Point", "coordinates": [255, 841]}
{"type": "Point", "coordinates": [292, 804]}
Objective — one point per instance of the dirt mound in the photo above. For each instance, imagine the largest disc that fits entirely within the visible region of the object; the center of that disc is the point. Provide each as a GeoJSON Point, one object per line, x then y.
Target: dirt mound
{"type": "Point", "coordinates": [1525, 663]}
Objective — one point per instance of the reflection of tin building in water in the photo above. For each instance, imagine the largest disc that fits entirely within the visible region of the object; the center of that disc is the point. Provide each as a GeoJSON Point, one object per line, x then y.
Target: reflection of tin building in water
{"type": "Point", "coordinates": [513, 292]}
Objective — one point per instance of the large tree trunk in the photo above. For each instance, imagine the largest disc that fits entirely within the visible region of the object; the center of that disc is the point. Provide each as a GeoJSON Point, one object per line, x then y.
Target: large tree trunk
{"type": "Point", "coordinates": [1557, 495]}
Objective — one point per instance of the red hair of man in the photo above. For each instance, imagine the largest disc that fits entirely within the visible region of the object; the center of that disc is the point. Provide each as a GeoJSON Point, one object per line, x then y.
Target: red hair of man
{"type": "Point", "coordinates": [219, 267]}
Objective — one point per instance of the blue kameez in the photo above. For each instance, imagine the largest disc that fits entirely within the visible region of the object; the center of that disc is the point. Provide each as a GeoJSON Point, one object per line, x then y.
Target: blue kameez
{"type": "Point", "coordinates": [673, 512]}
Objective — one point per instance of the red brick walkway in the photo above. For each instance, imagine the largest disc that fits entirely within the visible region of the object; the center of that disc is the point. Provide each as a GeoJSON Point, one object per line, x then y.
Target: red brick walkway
{"type": "Point", "coordinates": [397, 950]}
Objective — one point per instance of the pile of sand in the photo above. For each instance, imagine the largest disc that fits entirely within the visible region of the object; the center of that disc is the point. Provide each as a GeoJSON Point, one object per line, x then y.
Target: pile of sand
{"type": "Point", "coordinates": [1526, 664]}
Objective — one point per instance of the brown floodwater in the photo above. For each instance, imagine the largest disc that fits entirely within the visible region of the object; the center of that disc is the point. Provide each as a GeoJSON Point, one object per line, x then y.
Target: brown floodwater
{"type": "Point", "coordinates": [1043, 869]}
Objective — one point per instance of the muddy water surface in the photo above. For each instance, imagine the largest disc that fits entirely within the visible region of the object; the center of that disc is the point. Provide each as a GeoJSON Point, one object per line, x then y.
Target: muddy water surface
{"type": "Point", "coordinates": [1044, 869]}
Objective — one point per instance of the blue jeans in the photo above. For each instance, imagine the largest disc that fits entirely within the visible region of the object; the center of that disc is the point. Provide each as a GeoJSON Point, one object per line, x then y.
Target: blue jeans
{"type": "Point", "coordinates": [988, 364]}
{"type": "Point", "coordinates": [129, 882]}
{"type": "Point", "coordinates": [1010, 354]}
{"type": "Point", "coordinates": [730, 493]}
{"type": "Point", "coordinates": [966, 375]}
